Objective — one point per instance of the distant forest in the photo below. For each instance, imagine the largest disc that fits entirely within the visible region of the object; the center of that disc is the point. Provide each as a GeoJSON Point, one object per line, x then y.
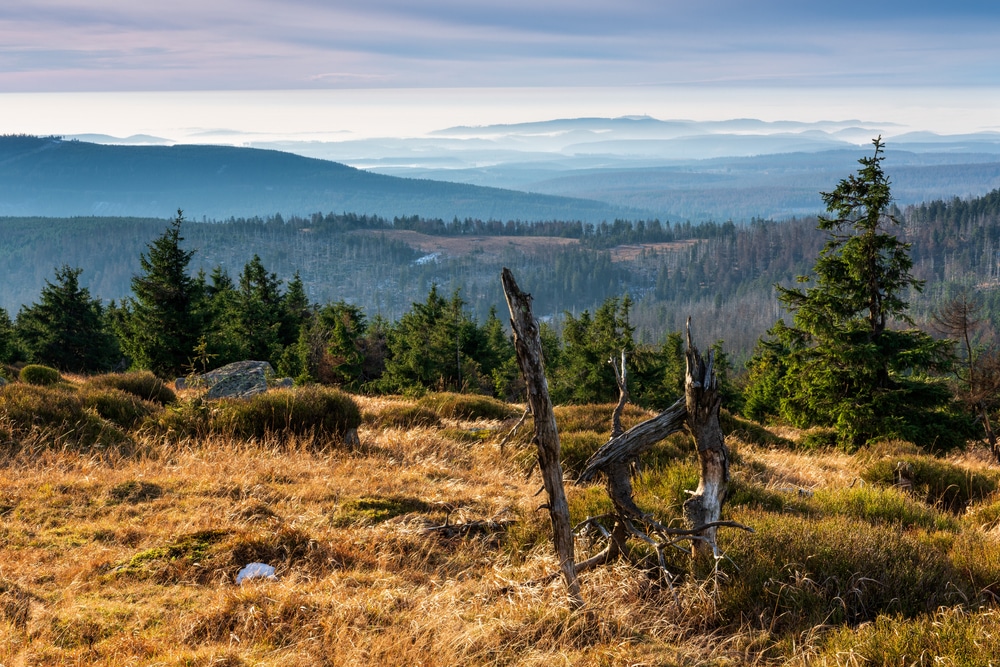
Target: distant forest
{"type": "Point", "coordinates": [722, 275]}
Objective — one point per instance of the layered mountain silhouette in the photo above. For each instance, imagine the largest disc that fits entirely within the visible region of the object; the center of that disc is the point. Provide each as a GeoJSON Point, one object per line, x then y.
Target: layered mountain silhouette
{"type": "Point", "coordinates": [53, 177]}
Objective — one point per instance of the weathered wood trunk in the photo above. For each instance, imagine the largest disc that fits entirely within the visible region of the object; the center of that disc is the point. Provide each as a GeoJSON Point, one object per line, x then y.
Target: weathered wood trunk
{"type": "Point", "coordinates": [621, 377]}
{"type": "Point", "coordinates": [528, 346]}
{"type": "Point", "coordinates": [701, 397]}
{"type": "Point", "coordinates": [614, 459]}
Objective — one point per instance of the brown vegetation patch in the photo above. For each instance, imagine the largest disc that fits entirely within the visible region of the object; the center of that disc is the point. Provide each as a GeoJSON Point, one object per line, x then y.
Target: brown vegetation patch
{"type": "Point", "coordinates": [454, 246]}
{"type": "Point", "coordinates": [632, 252]}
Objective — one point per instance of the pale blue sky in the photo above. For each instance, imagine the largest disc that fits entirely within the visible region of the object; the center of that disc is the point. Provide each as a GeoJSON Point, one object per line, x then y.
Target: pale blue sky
{"type": "Point", "coordinates": [129, 45]}
{"type": "Point", "coordinates": [405, 67]}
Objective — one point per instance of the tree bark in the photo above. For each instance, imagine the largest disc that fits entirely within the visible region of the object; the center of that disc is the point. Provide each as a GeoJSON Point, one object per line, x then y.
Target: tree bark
{"type": "Point", "coordinates": [528, 346]}
{"type": "Point", "coordinates": [701, 396]}
{"type": "Point", "coordinates": [621, 377]}
{"type": "Point", "coordinates": [615, 457]}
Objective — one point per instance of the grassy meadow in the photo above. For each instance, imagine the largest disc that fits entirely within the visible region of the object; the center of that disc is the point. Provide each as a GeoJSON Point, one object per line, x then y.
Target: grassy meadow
{"type": "Point", "coordinates": [126, 511]}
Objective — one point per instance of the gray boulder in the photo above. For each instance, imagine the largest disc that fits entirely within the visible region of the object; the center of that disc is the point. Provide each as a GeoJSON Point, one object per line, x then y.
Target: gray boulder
{"type": "Point", "coordinates": [241, 379]}
{"type": "Point", "coordinates": [2, 381]}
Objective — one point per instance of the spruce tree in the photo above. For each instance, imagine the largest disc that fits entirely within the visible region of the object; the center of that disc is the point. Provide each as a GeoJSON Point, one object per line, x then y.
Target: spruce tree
{"type": "Point", "coordinates": [66, 328]}
{"type": "Point", "coordinates": [840, 364]}
{"type": "Point", "coordinates": [159, 326]}
{"type": "Point", "coordinates": [8, 344]}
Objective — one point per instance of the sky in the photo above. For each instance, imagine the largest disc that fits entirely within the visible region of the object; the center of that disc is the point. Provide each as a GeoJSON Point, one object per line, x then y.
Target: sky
{"type": "Point", "coordinates": [329, 68]}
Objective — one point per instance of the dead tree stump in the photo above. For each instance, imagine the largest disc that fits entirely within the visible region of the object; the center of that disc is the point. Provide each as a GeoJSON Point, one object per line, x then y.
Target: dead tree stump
{"type": "Point", "coordinates": [528, 346]}
{"type": "Point", "coordinates": [702, 401]}
{"type": "Point", "coordinates": [699, 411]}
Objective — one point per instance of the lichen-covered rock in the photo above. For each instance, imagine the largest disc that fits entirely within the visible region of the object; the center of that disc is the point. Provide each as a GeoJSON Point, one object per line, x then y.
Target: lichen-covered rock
{"type": "Point", "coordinates": [283, 383]}
{"type": "Point", "coordinates": [241, 379]}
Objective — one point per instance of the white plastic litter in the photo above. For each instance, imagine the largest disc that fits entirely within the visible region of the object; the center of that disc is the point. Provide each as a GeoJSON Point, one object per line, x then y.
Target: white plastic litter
{"type": "Point", "coordinates": [254, 571]}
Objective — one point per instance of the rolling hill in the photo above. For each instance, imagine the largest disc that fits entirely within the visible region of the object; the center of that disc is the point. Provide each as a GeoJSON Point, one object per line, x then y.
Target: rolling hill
{"type": "Point", "coordinates": [49, 176]}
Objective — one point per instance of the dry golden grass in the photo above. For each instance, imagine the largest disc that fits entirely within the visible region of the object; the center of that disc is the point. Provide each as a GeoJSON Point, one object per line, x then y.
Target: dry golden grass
{"type": "Point", "coordinates": [129, 557]}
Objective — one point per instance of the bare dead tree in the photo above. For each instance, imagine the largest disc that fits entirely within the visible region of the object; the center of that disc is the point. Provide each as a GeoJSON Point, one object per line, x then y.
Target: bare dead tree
{"type": "Point", "coordinates": [699, 412]}
{"type": "Point", "coordinates": [701, 397]}
{"type": "Point", "coordinates": [621, 378]}
{"type": "Point", "coordinates": [979, 380]}
{"type": "Point", "coordinates": [528, 346]}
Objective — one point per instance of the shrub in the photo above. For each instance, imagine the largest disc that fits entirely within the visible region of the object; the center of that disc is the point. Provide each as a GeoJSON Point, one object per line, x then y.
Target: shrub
{"type": "Point", "coordinates": [819, 438]}
{"type": "Point", "coordinates": [404, 415]}
{"type": "Point", "coordinates": [142, 384]}
{"type": "Point", "coordinates": [796, 573]}
{"type": "Point", "coordinates": [184, 419]}
{"type": "Point", "coordinates": [466, 406]}
{"type": "Point", "coordinates": [749, 432]}
{"type": "Point", "coordinates": [53, 416]}
{"type": "Point", "coordinates": [118, 407]}
{"type": "Point", "coordinates": [883, 506]}
{"type": "Point", "coordinates": [310, 411]}
{"type": "Point", "coordinates": [577, 447]}
{"type": "Point", "coordinates": [596, 417]}
{"type": "Point", "coordinates": [39, 375]}
{"type": "Point", "coordinates": [949, 637]}
{"type": "Point", "coordinates": [939, 482]}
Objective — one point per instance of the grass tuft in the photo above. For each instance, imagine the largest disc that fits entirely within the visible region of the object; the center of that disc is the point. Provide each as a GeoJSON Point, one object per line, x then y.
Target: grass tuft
{"type": "Point", "coordinates": [320, 412]}
{"type": "Point", "coordinates": [141, 384]}
{"type": "Point", "coordinates": [936, 481]}
{"type": "Point", "coordinates": [466, 406]}
{"type": "Point", "coordinates": [38, 375]}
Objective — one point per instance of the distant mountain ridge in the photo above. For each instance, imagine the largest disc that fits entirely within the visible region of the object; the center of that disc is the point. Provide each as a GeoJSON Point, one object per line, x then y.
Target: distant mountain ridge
{"type": "Point", "coordinates": [49, 176]}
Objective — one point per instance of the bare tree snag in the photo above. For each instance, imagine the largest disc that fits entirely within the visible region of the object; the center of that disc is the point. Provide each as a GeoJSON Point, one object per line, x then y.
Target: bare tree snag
{"type": "Point", "coordinates": [701, 395]}
{"type": "Point", "coordinates": [621, 378]}
{"type": "Point", "coordinates": [615, 457]}
{"type": "Point", "coordinates": [699, 411]}
{"type": "Point", "coordinates": [528, 346]}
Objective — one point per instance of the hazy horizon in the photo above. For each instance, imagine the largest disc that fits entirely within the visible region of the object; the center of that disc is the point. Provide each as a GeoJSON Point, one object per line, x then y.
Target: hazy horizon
{"type": "Point", "coordinates": [228, 71]}
{"type": "Point", "coordinates": [236, 117]}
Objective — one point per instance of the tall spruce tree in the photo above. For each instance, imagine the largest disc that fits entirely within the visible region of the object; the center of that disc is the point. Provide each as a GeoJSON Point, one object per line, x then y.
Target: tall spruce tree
{"type": "Point", "coordinates": [159, 326]}
{"type": "Point", "coordinates": [66, 328]}
{"type": "Point", "coordinates": [840, 364]}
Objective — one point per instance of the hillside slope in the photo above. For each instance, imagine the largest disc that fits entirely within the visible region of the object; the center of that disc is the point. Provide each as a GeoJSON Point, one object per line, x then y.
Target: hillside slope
{"type": "Point", "coordinates": [53, 177]}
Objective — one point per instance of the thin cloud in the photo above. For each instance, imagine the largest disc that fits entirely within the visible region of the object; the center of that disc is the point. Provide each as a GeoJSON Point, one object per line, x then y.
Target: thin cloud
{"type": "Point", "coordinates": [234, 44]}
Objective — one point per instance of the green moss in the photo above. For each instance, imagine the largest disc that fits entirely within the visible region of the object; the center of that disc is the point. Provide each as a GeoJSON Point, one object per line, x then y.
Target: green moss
{"type": "Point", "coordinates": [191, 548]}
{"type": "Point", "coordinates": [371, 510]}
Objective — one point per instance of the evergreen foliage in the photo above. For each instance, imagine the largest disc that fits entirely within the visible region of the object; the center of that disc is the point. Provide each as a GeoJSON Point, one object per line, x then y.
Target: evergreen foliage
{"type": "Point", "coordinates": [9, 349]}
{"type": "Point", "coordinates": [585, 374]}
{"type": "Point", "coordinates": [840, 364]}
{"type": "Point", "coordinates": [66, 328]}
{"type": "Point", "coordinates": [432, 346]}
{"type": "Point", "coordinates": [159, 326]}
